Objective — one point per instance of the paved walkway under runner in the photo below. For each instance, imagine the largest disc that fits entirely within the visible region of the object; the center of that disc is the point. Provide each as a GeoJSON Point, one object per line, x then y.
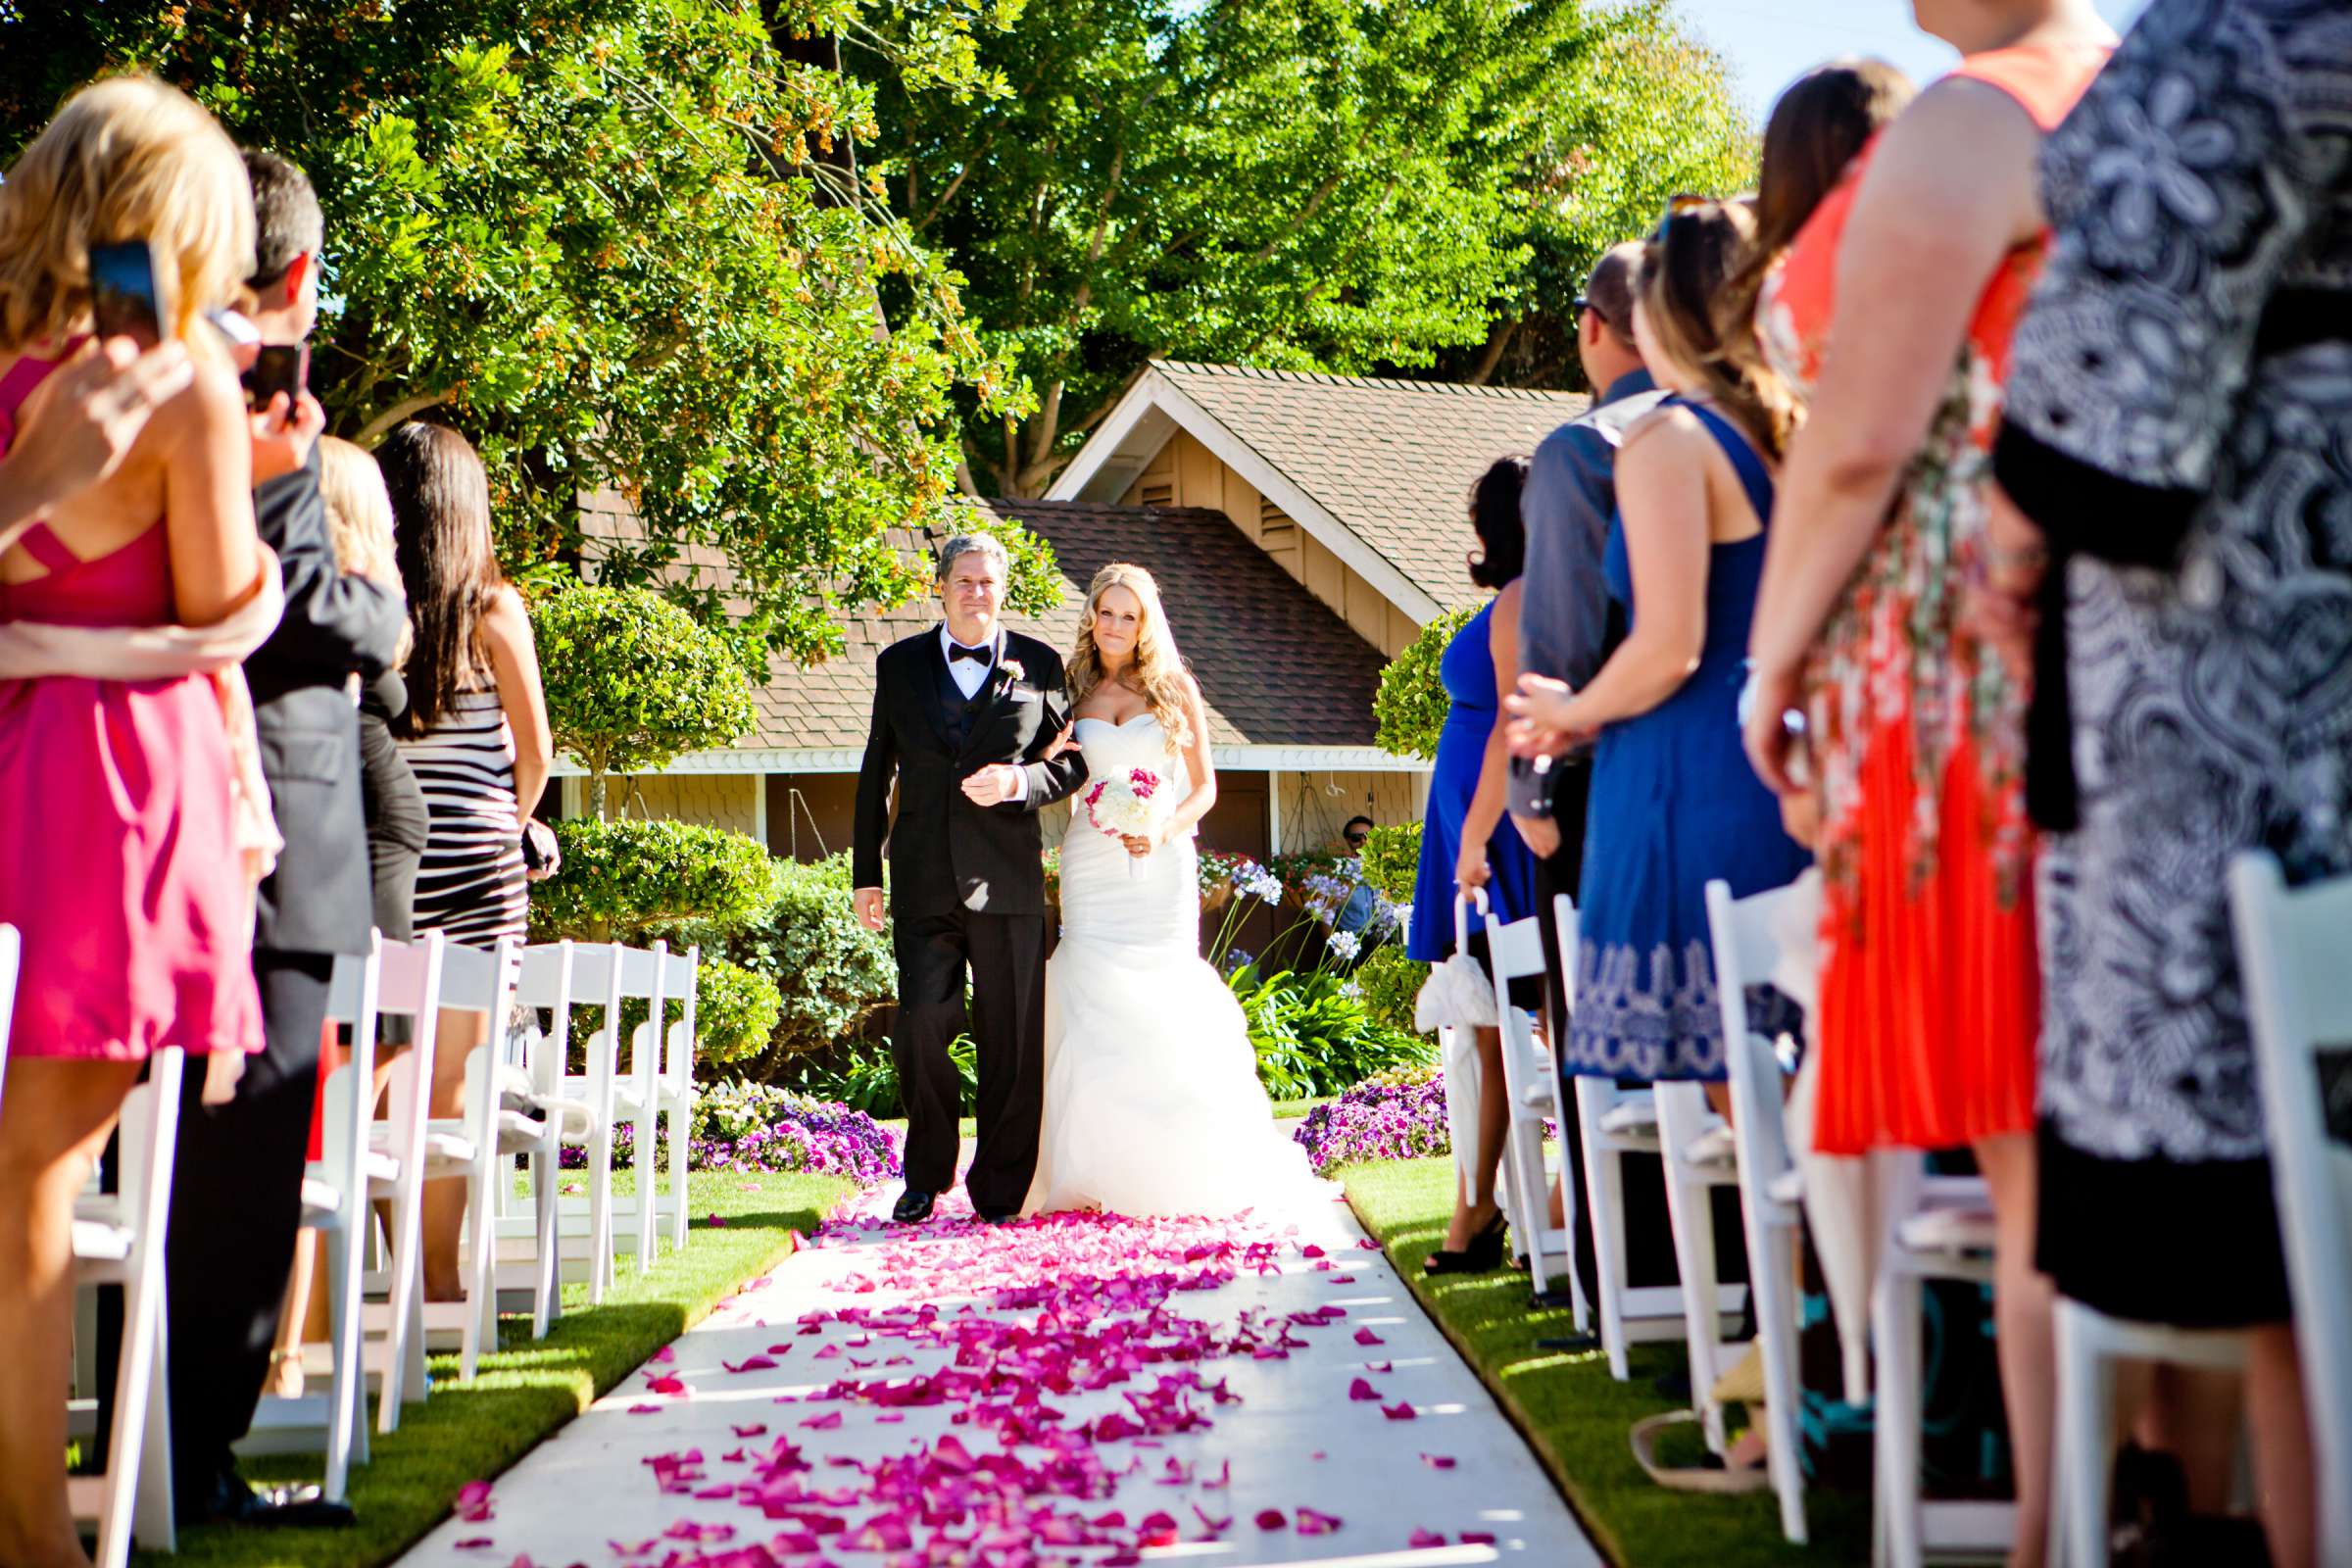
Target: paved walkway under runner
{"type": "Point", "coordinates": [1073, 1391]}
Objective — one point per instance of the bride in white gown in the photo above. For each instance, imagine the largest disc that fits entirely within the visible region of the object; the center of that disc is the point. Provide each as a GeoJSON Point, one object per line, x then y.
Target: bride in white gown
{"type": "Point", "coordinates": [1153, 1103]}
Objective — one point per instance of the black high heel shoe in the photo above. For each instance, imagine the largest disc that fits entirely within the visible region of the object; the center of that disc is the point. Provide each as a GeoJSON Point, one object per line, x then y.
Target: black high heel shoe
{"type": "Point", "coordinates": [1483, 1255]}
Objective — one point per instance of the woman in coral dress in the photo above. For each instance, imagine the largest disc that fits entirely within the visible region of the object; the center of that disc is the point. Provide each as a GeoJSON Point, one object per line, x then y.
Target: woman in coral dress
{"type": "Point", "coordinates": [1893, 309]}
{"type": "Point", "coordinates": [118, 827]}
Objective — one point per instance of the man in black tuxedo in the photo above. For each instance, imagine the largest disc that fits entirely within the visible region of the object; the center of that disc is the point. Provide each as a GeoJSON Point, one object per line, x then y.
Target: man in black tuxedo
{"type": "Point", "coordinates": [964, 715]}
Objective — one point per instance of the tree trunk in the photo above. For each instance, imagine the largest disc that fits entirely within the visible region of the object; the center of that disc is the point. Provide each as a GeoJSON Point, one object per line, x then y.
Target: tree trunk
{"type": "Point", "coordinates": [599, 930]}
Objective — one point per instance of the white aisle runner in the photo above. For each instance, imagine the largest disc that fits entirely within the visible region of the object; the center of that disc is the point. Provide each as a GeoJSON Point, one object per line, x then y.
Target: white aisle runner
{"type": "Point", "coordinates": [1073, 1391]}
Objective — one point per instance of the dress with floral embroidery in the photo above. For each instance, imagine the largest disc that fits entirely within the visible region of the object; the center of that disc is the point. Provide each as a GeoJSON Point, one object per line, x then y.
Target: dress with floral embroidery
{"type": "Point", "coordinates": [1928, 996]}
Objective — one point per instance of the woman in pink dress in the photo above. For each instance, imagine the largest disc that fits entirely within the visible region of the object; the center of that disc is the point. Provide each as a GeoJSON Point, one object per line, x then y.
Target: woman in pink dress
{"type": "Point", "coordinates": [116, 861]}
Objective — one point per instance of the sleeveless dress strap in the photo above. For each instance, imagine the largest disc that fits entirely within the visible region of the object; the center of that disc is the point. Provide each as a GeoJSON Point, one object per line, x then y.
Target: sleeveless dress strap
{"type": "Point", "coordinates": [1753, 476]}
{"type": "Point", "coordinates": [16, 385]}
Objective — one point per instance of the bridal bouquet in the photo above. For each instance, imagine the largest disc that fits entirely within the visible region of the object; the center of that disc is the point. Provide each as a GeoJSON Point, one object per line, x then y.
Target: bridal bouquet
{"type": "Point", "coordinates": [1127, 804]}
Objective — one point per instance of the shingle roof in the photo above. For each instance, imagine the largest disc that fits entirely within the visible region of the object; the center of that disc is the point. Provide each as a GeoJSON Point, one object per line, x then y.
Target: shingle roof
{"type": "Point", "coordinates": [1276, 667]}
{"type": "Point", "coordinates": [1392, 461]}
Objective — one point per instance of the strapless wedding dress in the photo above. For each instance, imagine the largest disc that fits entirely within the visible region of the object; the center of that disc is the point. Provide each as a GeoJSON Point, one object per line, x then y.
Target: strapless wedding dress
{"type": "Point", "coordinates": [1153, 1103]}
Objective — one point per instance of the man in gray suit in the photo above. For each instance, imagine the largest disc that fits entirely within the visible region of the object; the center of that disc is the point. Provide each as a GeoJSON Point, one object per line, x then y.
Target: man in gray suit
{"type": "Point", "coordinates": [1565, 631]}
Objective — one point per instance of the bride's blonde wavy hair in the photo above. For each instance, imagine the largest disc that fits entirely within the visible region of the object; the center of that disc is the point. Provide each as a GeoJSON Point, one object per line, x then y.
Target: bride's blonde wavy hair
{"type": "Point", "coordinates": [1156, 671]}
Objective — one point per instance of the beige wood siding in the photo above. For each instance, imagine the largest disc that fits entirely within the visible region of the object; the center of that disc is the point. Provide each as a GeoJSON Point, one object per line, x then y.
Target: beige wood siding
{"type": "Point", "coordinates": [1313, 815]}
{"type": "Point", "coordinates": [1186, 473]}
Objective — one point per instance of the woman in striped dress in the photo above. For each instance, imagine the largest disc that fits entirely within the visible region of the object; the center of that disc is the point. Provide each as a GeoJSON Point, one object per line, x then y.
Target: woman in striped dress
{"type": "Point", "coordinates": [475, 735]}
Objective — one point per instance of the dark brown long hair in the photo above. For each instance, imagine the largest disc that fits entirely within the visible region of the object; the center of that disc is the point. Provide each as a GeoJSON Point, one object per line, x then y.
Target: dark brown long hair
{"type": "Point", "coordinates": [1817, 129]}
{"type": "Point", "coordinates": [441, 503]}
{"type": "Point", "coordinates": [1683, 273]}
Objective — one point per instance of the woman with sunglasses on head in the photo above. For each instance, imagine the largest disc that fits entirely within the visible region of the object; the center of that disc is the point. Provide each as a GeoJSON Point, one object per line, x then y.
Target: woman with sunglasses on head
{"type": "Point", "coordinates": [1673, 806]}
{"type": "Point", "coordinates": [1894, 309]}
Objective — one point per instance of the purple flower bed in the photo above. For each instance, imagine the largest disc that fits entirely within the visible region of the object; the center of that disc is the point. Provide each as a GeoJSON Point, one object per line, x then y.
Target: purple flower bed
{"type": "Point", "coordinates": [754, 1127]}
{"type": "Point", "coordinates": [1378, 1120]}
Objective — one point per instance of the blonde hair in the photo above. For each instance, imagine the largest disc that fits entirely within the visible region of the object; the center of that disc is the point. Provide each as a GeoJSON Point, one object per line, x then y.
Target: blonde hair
{"type": "Point", "coordinates": [1155, 672]}
{"type": "Point", "coordinates": [359, 519]}
{"type": "Point", "coordinates": [1685, 271]}
{"type": "Point", "coordinates": [125, 159]}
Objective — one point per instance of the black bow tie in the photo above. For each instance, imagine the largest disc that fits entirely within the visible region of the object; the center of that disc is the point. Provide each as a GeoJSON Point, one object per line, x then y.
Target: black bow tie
{"type": "Point", "coordinates": [978, 656]}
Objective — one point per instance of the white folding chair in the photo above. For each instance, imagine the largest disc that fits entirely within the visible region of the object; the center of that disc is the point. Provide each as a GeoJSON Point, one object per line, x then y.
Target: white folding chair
{"type": "Point", "coordinates": [1746, 951]}
{"type": "Point", "coordinates": [1945, 1232]}
{"type": "Point", "coordinates": [659, 1085]}
{"type": "Point", "coordinates": [2293, 949]}
{"type": "Point", "coordinates": [1613, 1123]}
{"type": "Point", "coordinates": [547, 982]}
{"type": "Point", "coordinates": [119, 1240]}
{"type": "Point", "coordinates": [1697, 1154]}
{"type": "Point", "coordinates": [478, 1146]}
{"type": "Point", "coordinates": [409, 982]}
{"type": "Point", "coordinates": [1515, 952]}
{"type": "Point", "coordinates": [337, 1193]}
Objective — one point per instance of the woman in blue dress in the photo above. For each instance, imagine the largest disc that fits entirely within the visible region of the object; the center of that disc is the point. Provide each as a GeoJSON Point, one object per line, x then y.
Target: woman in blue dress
{"type": "Point", "coordinates": [1674, 802]}
{"type": "Point", "coordinates": [1468, 842]}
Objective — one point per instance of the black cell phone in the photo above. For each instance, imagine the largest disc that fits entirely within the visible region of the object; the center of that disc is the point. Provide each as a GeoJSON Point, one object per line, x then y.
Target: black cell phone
{"type": "Point", "coordinates": [277, 367]}
{"type": "Point", "coordinates": [127, 298]}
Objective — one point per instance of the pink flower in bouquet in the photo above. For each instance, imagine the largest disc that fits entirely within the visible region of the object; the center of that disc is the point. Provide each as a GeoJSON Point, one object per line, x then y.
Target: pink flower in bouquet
{"type": "Point", "coordinates": [1125, 806]}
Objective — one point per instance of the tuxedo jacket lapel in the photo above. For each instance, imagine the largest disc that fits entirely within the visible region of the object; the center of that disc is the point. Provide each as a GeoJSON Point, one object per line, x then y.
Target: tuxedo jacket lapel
{"type": "Point", "coordinates": [936, 693]}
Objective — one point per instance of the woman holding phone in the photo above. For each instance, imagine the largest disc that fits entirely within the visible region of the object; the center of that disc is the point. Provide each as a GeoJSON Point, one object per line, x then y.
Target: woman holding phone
{"type": "Point", "coordinates": [116, 798]}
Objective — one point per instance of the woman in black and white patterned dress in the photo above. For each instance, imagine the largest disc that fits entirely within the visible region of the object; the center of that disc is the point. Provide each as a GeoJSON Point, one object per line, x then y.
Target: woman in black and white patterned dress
{"type": "Point", "coordinates": [2178, 417]}
{"type": "Point", "coordinates": [475, 734]}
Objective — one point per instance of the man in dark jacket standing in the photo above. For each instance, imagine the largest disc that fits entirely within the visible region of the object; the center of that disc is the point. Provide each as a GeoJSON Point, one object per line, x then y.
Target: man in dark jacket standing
{"type": "Point", "coordinates": [965, 714]}
{"type": "Point", "coordinates": [1565, 633]}
{"type": "Point", "coordinates": [236, 1194]}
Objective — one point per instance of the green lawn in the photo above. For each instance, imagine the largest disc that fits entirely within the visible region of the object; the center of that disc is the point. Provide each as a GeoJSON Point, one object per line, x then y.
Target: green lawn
{"type": "Point", "coordinates": [473, 1431]}
{"type": "Point", "coordinates": [1574, 1414]}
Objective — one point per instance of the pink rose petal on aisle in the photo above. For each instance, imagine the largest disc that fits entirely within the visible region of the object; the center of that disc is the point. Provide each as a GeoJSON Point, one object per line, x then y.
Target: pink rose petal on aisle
{"type": "Point", "coordinates": [1157, 1530]}
{"type": "Point", "coordinates": [718, 1220]}
{"type": "Point", "coordinates": [1271, 1519]}
{"type": "Point", "coordinates": [1224, 1477]}
{"type": "Point", "coordinates": [638, 1551]}
{"type": "Point", "coordinates": [475, 1543]}
{"type": "Point", "coordinates": [667, 1383]}
{"type": "Point", "coordinates": [665, 1356]}
{"type": "Point", "coordinates": [1400, 1412]}
{"type": "Point", "coordinates": [1367, 1337]}
{"type": "Point", "coordinates": [757, 1429]}
{"type": "Point", "coordinates": [829, 1352]}
{"type": "Point", "coordinates": [749, 1363]}
{"type": "Point", "coordinates": [1423, 1540]}
{"type": "Point", "coordinates": [1380, 1366]}
{"type": "Point", "coordinates": [1438, 1461]}
{"type": "Point", "coordinates": [645, 1409]}
{"type": "Point", "coordinates": [1361, 1390]}
{"type": "Point", "coordinates": [473, 1503]}
{"type": "Point", "coordinates": [823, 1423]}
{"type": "Point", "coordinates": [1311, 1523]}
{"type": "Point", "coordinates": [1478, 1538]}
{"type": "Point", "coordinates": [1343, 1279]}
{"type": "Point", "coordinates": [1212, 1526]}
{"type": "Point", "coordinates": [1310, 1249]}
{"type": "Point", "coordinates": [779, 1350]}
{"type": "Point", "coordinates": [1367, 1243]}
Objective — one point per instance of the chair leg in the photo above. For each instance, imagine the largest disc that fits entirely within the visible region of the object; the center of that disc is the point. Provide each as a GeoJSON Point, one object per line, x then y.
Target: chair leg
{"type": "Point", "coordinates": [547, 1230]}
{"type": "Point", "coordinates": [481, 1265]}
{"type": "Point", "coordinates": [1894, 1331]}
{"type": "Point", "coordinates": [645, 1129]}
{"type": "Point", "coordinates": [1603, 1181]}
{"type": "Point", "coordinates": [600, 1214]}
{"type": "Point", "coordinates": [678, 1213]}
{"type": "Point", "coordinates": [404, 1362]}
{"type": "Point", "coordinates": [1690, 1214]}
{"type": "Point", "coordinates": [2085, 1436]}
{"type": "Point", "coordinates": [346, 1431]}
{"type": "Point", "coordinates": [1773, 1270]}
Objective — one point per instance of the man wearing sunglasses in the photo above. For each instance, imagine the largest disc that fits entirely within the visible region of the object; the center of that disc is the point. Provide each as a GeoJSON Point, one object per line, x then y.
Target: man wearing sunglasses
{"type": "Point", "coordinates": [1565, 632]}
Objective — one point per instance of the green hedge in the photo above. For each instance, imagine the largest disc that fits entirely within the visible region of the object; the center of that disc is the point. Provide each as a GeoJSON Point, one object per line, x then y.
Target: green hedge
{"type": "Point", "coordinates": [831, 972]}
{"type": "Point", "coordinates": [1411, 704]}
{"type": "Point", "coordinates": [628, 877]}
{"type": "Point", "coordinates": [1390, 983]}
{"type": "Point", "coordinates": [1392, 862]}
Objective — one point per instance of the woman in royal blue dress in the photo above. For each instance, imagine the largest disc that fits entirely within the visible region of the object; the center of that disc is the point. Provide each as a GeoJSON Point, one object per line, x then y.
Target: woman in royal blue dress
{"type": "Point", "coordinates": [1468, 842]}
{"type": "Point", "coordinates": [1674, 803]}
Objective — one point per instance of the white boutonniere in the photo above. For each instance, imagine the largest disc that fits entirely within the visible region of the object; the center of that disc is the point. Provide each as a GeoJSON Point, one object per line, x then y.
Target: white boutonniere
{"type": "Point", "coordinates": [1012, 669]}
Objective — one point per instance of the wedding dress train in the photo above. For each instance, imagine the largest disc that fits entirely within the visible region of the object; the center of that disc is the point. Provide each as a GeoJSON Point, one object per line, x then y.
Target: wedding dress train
{"type": "Point", "coordinates": [1153, 1103]}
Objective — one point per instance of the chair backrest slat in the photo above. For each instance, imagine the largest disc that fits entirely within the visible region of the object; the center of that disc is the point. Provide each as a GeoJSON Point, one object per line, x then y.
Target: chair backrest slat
{"type": "Point", "coordinates": [2294, 949]}
{"type": "Point", "coordinates": [1516, 950]}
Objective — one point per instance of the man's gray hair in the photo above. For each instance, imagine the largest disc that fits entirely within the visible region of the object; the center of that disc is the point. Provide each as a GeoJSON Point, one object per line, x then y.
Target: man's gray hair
{"type": "Point", "coordinates": [964, 544]}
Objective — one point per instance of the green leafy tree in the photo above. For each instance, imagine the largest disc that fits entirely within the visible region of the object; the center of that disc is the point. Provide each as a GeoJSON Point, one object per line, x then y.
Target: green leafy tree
{"type": "Point", "coordinates": [1410, 705]}
{"type": "Point", "coordinates": [1649, 112]}
{"type": "Point", "coordinates": [629, 878]}
{"type": "Point", "coordinates": [623, 244]}
{"type": "Point", "coordinates": [1309, 185]}
{"type": "Point", "coordinates": [632, 680]}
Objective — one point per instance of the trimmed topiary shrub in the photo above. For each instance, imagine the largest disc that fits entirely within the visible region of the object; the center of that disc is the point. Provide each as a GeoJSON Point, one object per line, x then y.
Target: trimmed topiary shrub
{"type": "Point", "coordinates": [1392, 862]}
{"type": "Point", "coordinates": [1389, 982]}
{"type": "Point", "coordinates": [632, 680]}
{"type": "Point", "coordinates": [620, 879]}
{"type": "Point", "coordinates": [1412, 702]}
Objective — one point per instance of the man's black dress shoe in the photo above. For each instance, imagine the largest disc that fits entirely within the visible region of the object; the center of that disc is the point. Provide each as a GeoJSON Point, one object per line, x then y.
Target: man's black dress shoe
{"type": "Point", "coordinates": [1570, 1342]}
{"type": "Point", "coordinates": [233, 1503]}
{"type": "Point", "coordinates": [913, 1208]}
{"type": "Point", "coordinates": [997, 1216]}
